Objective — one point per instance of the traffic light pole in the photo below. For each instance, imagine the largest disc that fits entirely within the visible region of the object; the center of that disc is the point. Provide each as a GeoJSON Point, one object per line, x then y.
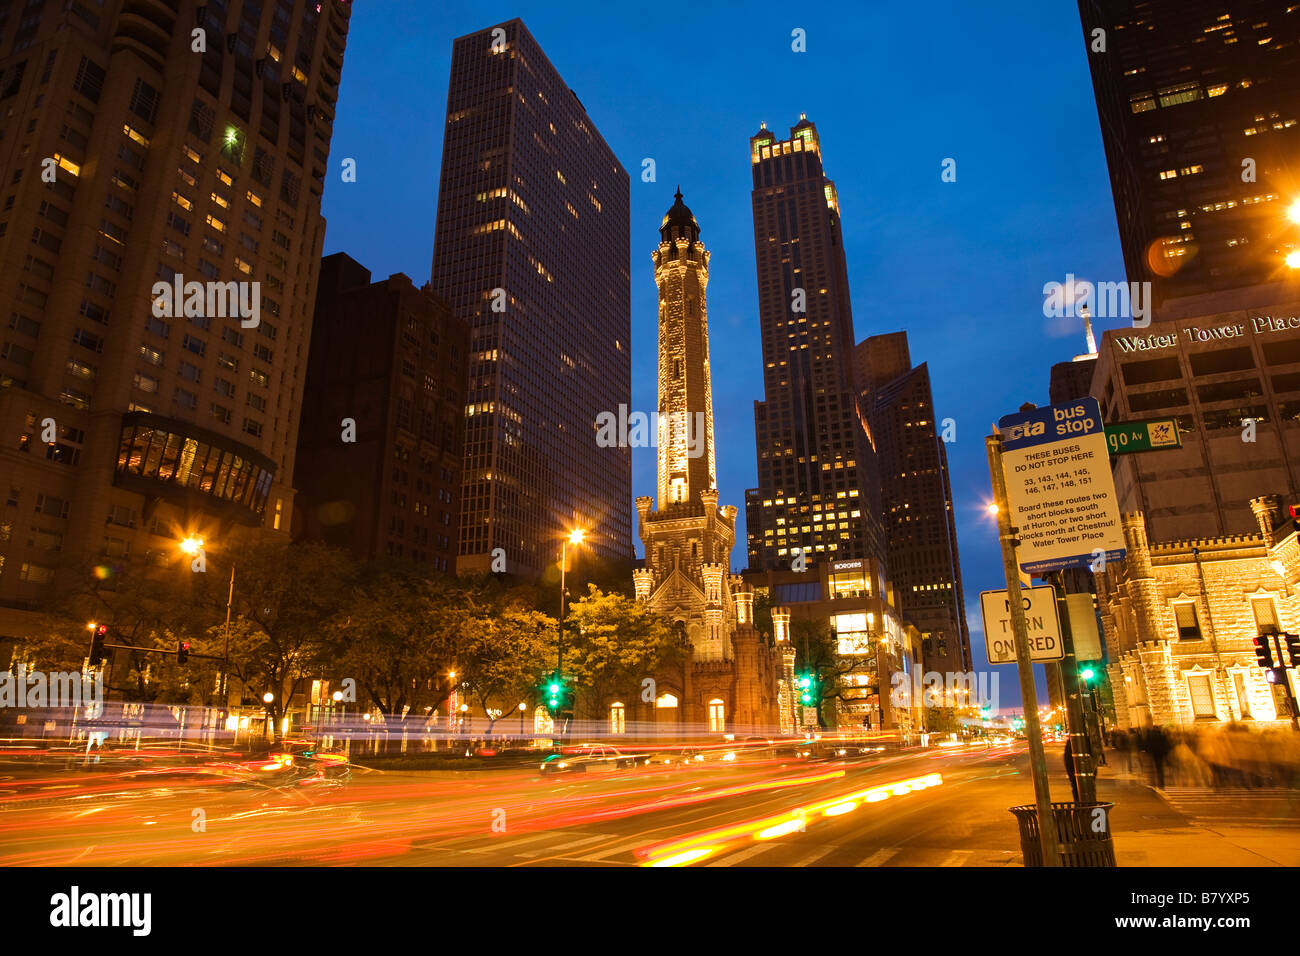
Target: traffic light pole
{"type": "Point", "coordinates": [1085, 775]}
{"type": "Point", "coordinates": [1024, 667]}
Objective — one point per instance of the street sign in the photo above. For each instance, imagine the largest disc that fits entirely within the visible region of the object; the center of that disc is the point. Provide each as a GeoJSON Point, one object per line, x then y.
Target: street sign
{"type": "Point", "coordinates": [1045, 642]}
{"type": "Point", "coordinates": [1083, 627]}
{"type": "Point", "coordinates": [1059, 487]}
{"type": "Point", "coordinates": [1155, 435]}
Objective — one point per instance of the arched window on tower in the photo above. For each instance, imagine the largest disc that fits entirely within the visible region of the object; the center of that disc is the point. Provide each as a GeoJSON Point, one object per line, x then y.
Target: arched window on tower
{"type": "Point", "coordinates": [617, 721]}
{"type": "Point", "coordinates": [717, 716]}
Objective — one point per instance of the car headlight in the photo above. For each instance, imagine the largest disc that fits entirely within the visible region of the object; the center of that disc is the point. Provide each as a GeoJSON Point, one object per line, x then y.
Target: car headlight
{"type": "Point", "coordinates": [561, 765]}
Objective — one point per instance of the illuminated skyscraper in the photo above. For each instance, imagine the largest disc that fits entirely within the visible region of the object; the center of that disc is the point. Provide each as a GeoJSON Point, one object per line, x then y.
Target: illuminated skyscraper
{"type": "Point", "coordinates": [130, 424]}
{"type": "Point", "coordinates": [918, 515]}
{"type": "Point", "coordinates": [532, 248]}
{"type": "Point", "coordinates": [818, 491]}
{"type": "Point", "coordinates": [1199, 104]}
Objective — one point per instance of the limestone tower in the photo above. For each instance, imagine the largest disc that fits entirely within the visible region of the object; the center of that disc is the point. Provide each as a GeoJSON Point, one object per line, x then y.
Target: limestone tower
{"type": "Point", "coordinates": [688, 540]}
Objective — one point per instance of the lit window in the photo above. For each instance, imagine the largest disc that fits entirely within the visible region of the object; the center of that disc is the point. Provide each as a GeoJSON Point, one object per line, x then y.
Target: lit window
{"type": "Point", "coordinates": [135, 135]}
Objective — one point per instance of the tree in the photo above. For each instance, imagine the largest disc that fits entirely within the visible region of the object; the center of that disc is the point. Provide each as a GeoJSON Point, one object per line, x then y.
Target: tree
{"type": "Point", "coordinates": [817, 652]}
{"type": "Point", "coordinates": [504, 653]}
{"type": "Point", "coordinates": [143, 605]}
{"type": "Point", "coordinates": [397, 632]}
{"type": "Point", "coordinates": [286, 611]}
{"type": "Point", "coordinates": [611, 643]}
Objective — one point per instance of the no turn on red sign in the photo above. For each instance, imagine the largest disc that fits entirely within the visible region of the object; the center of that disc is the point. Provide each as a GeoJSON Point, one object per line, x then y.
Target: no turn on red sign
{"type": "Point", "coordinates": [1043, 625]}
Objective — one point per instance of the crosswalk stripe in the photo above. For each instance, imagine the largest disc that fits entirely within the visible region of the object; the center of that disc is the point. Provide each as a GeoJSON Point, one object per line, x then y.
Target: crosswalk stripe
{"type": "Point", "coordinates": [879, 857]}
{"type": "Point", "coordinates": [742, 855]}
{"type": "Point", "coordinates": [563, 846]}
{"type": "Point", "coordinates": [810, 858]}
{"type": "Point", "coordinates": [497, 846]}
{"type": "Point", "coordinates": [958, 858]}
{"type": "Point", "coordinates": [615, 850]}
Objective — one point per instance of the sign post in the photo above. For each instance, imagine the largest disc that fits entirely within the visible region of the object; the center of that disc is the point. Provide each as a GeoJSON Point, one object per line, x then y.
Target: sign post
{"type": "Point", "coordinates": [1024, 667]}
{"type": "Point", "coordinates": [1062, 495]}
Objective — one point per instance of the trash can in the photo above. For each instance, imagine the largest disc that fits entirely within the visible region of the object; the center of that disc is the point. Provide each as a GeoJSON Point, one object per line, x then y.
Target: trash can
{"type": "Point", "coordinates": [1082, 834]}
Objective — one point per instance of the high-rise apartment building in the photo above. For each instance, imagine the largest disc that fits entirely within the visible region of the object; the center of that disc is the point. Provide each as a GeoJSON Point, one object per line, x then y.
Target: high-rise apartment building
{"type": "Point", "coordinates": [532, 248]}
{"type": "Point", "coordinates": [162, 167]}
{"type": "Point", "coordinates": [381, 442]}
{"type": "Point", "coordinates": [1199, 103]}
{"type": "Point", "coordinates": [817, 493]}
{"type": "Point", "coordinates": [918, 515]}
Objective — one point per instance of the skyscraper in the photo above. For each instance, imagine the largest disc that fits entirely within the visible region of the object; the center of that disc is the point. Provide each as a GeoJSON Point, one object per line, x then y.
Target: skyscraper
{"type": "Point", "coordinates": [919, 521]}
{"type": "Point", "coordinates": [1199, 103]}
{"type": "Point", "coordinates": [381, 443]}
{"type": "Point", "coordinates": [532, 249]}
{"type": "Point", "coordinates": [817, 491]}
{"type": "Point", "coordinates": [161, 234]}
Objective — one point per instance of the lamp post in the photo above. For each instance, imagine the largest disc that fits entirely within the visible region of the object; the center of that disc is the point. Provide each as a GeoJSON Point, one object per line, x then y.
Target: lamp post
{"type": "Point", "coordinates": [191, 546]}
{"type": "Point", "coordinates": [522, 708]}
{"type": "Point", "coordinates": [574, 537]}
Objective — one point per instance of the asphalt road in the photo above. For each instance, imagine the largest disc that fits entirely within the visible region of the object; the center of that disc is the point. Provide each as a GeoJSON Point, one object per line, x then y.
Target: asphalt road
{"type": "Point", "coordinates": [920, 808]}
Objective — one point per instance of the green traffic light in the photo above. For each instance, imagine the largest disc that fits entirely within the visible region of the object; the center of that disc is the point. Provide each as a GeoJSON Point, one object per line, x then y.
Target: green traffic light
{"type": "Point", "coordinates": [555, 688]}
{"type": "Point", "coordinates": [1087, 673]}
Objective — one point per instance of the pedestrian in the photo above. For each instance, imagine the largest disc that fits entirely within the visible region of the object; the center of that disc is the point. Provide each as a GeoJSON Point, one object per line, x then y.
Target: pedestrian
{"type": "Point", "coordinates": [1158, 746]}
{"type": "Point", "coordinates": [1069, 768]}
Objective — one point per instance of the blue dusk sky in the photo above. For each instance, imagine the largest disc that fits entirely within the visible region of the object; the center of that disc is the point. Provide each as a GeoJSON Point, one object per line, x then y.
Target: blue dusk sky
{"type": "Point", "coordinates": [894, 90]}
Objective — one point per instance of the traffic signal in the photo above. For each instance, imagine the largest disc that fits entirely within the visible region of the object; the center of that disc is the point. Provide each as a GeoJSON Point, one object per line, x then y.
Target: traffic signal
{"type": "Point", "coordinates": [556, 696]}
{"type": "Point", "coordinates": [97, 643]}
{"type": "Point", "coordinates": [1264, 651]}
{"type": "Point", "coordinates": [1087, 674]}
{"type": "Point", "coordinates": [807, 687]}
{"type": "Point", "coordinates": [182, 652]}
{"type": "Point", "coordinates": [1292, 648]}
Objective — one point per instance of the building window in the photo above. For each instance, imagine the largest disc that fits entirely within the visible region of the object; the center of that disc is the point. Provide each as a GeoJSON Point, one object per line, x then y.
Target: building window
{"type": "Point", "coordinates": [1198, 688]}
{"type": "Point", "coordinates": [1265, 612]}
{"type": "Point", "coordinates": [666, 700]}
{"type": "Point", "coordinates": [617, 719]}
{"type": "Point", "coordinates": [717, 716]}
{"type": "Point", "coordinates": [1188, 621]}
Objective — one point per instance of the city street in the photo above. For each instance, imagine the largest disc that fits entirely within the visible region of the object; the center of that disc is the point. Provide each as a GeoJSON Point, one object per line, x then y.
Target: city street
{"type": "Point", "coordinates": [745, 813]}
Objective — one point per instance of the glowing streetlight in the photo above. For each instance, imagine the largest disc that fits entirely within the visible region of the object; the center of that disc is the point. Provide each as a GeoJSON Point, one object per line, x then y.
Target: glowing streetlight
{"type": "Point", "coordinates": [268, 697]}
{"type": "Point", "coordinates": [574, 537]}
{"type": "Point", "coordinates": [192, 545]}
{"type": "Point", "coordinates": [1293, 259]}
{"type": "Point", "coordinates": [337, 695]}
{"type": "Point", "coordinates": [1294, 212]}
{"type": "Point", "coordinates": [993, 508]}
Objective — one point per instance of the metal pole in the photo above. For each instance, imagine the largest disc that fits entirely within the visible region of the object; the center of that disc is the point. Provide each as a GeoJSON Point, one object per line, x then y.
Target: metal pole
{"type": "Point", "coordinates": [225, 662]}
{"type": "Point", "coordinates": [1024, 667]}
{"type": "Point", "coordinates": [1080, 742]}
{"type": "Point", "coordinates": [559, 660]}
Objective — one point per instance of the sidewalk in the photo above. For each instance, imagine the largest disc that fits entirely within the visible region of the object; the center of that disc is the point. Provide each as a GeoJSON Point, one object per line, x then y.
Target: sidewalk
{"type": "Point", "coordinates": [1149, 832]}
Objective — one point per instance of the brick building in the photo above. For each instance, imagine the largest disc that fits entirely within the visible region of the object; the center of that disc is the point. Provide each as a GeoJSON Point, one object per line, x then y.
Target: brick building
{"type": "Point", "coordinates": [389, 359]}
{"type": "Point", "coordinates": [1180, 618]}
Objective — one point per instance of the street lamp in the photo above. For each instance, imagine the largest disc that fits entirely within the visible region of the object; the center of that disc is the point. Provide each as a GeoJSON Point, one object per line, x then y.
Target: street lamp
{"type": "Point", "coordinates": [1293, 213]}
{"type": "Point", "coordinates": [192, 545]}
{"type": "Point", "coordinates": [1293, 259]}
{"type": "Point", "coordinates": [522, 708]}
{"type": "Point", "coordinates": [574, 537]}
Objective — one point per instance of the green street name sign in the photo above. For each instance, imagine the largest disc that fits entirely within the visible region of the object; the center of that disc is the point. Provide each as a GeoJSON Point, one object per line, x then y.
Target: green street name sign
{"type": "Point", "coordinates": [1154, 435]}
